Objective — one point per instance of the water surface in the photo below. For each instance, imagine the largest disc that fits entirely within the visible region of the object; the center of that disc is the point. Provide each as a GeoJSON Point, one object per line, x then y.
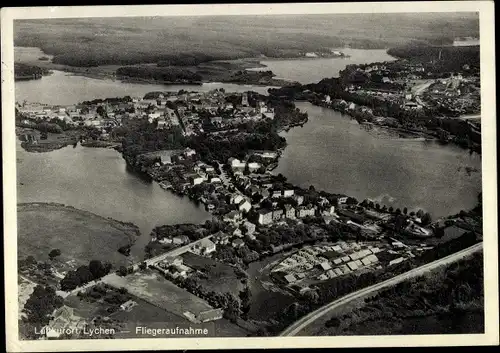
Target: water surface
{"type": "Point", "coordinates": [333, 153]}
{"type": "Point", "coordinates": [313, 70]}
{"type": "Point", "coordinates": [97, 180]}
{"type": "Point", "coordinates": [64, 88]}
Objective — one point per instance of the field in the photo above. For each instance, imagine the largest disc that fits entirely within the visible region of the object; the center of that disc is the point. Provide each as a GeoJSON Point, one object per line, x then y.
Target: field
{"type": "Point", "coordinates": [148, 315]}
{"type": "Point", "coordinates": [80, 235]}
{"type": "Point", "coordinates": [156, 290]}
{"type": "Point", "coordinates": [220, 277]}
{"type": "Point", "coordinates": [124, 41]}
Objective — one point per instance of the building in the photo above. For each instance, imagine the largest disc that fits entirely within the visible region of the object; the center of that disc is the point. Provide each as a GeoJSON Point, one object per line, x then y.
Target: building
{"type": "Point", "coordinates": [181, 239]}
{"type": "Point", "coordinates": [325, 266]}
{"type": "Point", "coordinates": [276, 194]}
{"type": "Point", "coordinates": [355, 217]}
{"type": "Point", "coordinates": [329, 211]}
{"type": "Point", "coordinates": [245, 206]}
{"type": "Point", "coordinates": [63, 318]}
{"type": "Point", "coordinates": [196, 179]}
{"type": "Point", "coordinates": [250, 227]}
{"type": "Point", "coordinates": [299, 199]}
{"type": "Point", "coordinates": [254, 166]}
{"type": "Point", "coordinates": [220, 238]}
{"type": "Point", "coordinates": [236, 199]}
{"type": "Point", "coordinates": [237, 243]}
{"type": "Point", "coordinates": [342, 200]}
{"type": "Point", "coordinates": [233, 216]}
{"type": "Point", "coordinates": [244, 100]}
{"type": "Point", "coordinates": [352, 265]}
{"type": "Point", "coordinates": [215, 179]}
{"type": "Point", "coordinates": [210, 315]}
{"type": "Point", "coordinates": [128, 305]}
{"type": "Point", "coordinates": [206, 246]}
{"type": "Point", "coordinates": [236, 163]}
{"type": "Point", "coordinates": [396, 261]}
{"type": "Point", "coordinates": [289, 211]}
{"type": "Point", "coordinates": [304, 211]}
{"type": "Point", "coordinates": [265, 217]}
{"type": "Point", "coordinates": [189, 152]}
{"type": "Point", "coordinates": [290, 278]}
{"type": "Point", "coordinates": [288, 192]}
{"type": "Point", "coordinates": [277, 214]}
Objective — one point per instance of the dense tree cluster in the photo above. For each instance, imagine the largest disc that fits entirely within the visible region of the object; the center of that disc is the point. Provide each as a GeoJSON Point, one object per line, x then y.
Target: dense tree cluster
{"type": "Point", "coordinates": [54, 253]}
{"type": "Point", "coordinates": [192, 231]}
{"type": "Point", "coordinates": [142, 136]}
{"type": "Point", "coordinates": [221, 148]}
{"type": "Point", "coordinates": [165, 74]}
{"type": "Point", "coordinates": [24, 71]}
{"type": "Point", "coordinates": [185, 59]}
{"type": "Point", "coordinates": [452, 58]}
{"type": "Point", "coordinates": [84, 274]}
{"type": "Point", "coordinates": [112, 100]}
{"type": "Point", "coordinates": [46, 127]}
{"type": "Point", "coordinates": [41, 304]}
{"type": "Point", "coordinates": [106, 293]}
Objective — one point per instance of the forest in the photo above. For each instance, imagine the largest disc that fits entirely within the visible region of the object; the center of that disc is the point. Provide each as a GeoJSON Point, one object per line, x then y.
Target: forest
{"type": "Point", "coordinates": [452, 58]}
{"type": "Point", "coordinates": [24, 71]}
{"type": "Point", "coordinates": [172, 40]}
{"type": "Point", "coordinates": [168, 74]}
{"type": "Point", "coordinates": [444, 295]}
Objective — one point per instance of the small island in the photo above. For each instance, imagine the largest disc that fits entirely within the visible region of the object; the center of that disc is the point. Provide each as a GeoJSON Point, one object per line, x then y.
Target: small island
{"type": "Point", "coordinates": [23, 72]}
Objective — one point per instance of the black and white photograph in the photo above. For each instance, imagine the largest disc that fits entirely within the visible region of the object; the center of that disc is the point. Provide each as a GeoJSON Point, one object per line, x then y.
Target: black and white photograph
{"type": "Point", "coordinates": [249, 171]}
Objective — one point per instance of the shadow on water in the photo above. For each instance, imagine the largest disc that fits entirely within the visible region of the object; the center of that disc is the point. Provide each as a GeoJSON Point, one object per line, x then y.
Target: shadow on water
{"type": "Point", "coordinates": [141, 175]}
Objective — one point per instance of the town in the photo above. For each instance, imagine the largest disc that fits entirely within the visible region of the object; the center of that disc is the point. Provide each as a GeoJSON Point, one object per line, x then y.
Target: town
{"type": "Point", "coordinates": [219, 149]}
{"type": "Point", "coordinates": [430, 98]}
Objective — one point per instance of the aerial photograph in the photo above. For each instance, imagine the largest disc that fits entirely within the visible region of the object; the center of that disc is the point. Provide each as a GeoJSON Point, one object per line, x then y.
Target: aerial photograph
{"type": "Point", "coordinates": [249, 176]}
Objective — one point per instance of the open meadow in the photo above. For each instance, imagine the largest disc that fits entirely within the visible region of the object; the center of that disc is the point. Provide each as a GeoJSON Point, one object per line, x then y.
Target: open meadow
{"type": "Point", "coordinates": [80, 235]}
{"type": "Point", "coordinates": [155, 289]}
{"type": "Point", "coordinates": [217, 276]}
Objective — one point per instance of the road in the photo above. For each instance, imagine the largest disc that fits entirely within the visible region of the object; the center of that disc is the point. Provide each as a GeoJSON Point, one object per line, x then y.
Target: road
{"type": "Point", "coordinates": [307, 320]}
{"type": "Point", "coordinates": [420, 88]}
{"type": "Point", "coordinates": [175, 252]}
{"type": "Point", "coordinates": [471, 117]}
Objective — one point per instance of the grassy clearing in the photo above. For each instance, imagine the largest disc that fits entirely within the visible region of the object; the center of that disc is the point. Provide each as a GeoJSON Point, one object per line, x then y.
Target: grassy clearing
{"type": "Point", "coordinates": [216, 276]}
{"type": "Point", "coordinates": [156, 290]}
{"type": "Point", "coordinates": [148, 315]}
{"type": "Point", "coordinates": [80, 235]}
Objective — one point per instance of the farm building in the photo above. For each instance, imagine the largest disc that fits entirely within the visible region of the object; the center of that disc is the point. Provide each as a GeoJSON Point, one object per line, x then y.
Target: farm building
{"type": "Point", "coordinates": [210, 315]}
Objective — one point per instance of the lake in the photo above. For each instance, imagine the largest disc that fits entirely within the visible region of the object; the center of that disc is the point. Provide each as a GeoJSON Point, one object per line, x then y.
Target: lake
{"type": "Point", "coordinates": [313, 70]}
{"type": "Point", "coordinates": [333, 153]}
{"type": "Point", "coordinates": [64, 88]}
{"type": "Point", "coordinates": [97, 180]}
